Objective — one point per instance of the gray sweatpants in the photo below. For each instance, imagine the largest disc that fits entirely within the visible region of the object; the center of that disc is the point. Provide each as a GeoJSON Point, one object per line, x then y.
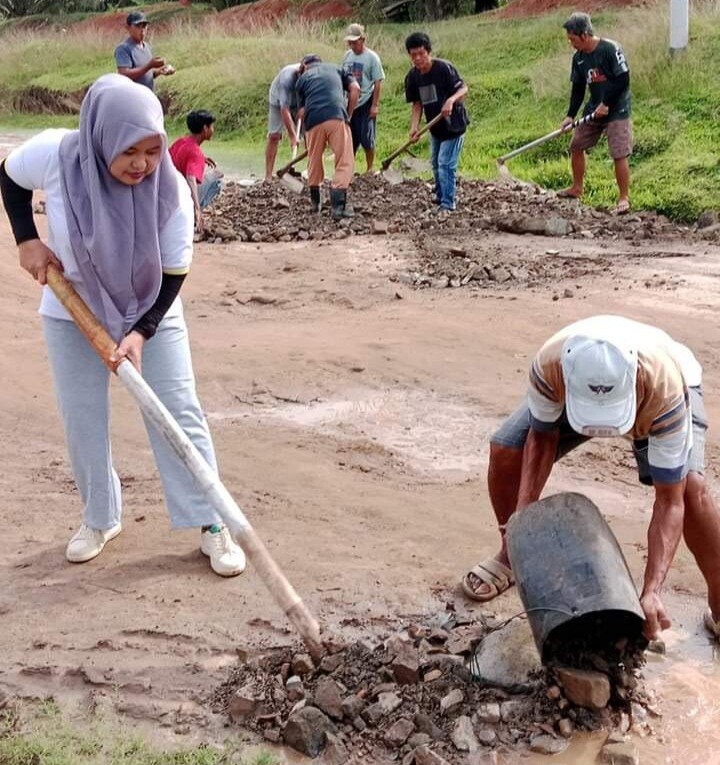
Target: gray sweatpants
{"type": "Point", "coordinates": [82, 390]}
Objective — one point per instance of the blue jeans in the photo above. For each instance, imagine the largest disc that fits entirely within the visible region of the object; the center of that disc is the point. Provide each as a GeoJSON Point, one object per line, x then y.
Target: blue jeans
{"type": "Point", "coordinates": [444, 159]}
{"type": "Point", "coordinates": [82, 390]}
{"type": "Point", "coordinates": [209, 188]}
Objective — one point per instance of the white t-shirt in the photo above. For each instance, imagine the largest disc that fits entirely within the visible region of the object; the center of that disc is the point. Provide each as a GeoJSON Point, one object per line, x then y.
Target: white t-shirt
{"type": "Point", "coordinates": [36, 165]}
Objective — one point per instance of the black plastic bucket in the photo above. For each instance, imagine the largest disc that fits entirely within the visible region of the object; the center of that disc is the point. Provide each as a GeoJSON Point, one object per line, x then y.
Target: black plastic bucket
{"type": "Point", "coordinates": [571, 575]}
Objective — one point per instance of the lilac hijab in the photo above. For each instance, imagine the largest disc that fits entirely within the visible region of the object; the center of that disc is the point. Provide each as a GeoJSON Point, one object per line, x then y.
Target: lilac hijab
{"type": "Point", "coordinates": [114, 228]}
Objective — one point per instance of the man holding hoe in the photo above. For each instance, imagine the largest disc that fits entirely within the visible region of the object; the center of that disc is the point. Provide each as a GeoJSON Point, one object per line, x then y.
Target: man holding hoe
{"type": "Point", "coordinates": [611, 376]}
{"type": "Point", "coordinates": [600, 65]}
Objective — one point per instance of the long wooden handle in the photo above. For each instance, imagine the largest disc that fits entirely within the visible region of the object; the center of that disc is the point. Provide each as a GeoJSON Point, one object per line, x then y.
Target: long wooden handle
{"type": "Point", "coordinates": [215, 492]}
{"type": "Point", "coordinates": [96, 334]}
{"type": "Point", "coordinates": [544, 138]}
{"type": "Point", "coordinates": [292, 162]}
{"type": "Point", "coordinates": [386, 162]}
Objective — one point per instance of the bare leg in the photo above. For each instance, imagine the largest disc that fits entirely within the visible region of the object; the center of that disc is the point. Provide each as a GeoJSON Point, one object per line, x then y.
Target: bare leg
{"type": "Point", "coordinates": [503, 484]}
{"type": "Point", "coordinates": [622, 176]}
{"type": "Point", "coordinates": [701, 530]}
{"type": "Point", "coordinates": [369, 159]}
{"type": "Point", "coordinates": [271, 151]}
{"type": "Point", "coordinates": [577, 163]}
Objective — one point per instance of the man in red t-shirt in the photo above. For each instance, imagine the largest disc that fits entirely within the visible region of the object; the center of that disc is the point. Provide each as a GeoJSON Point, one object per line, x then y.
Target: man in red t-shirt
{"type": "Point", "coordinates": [188, 158]}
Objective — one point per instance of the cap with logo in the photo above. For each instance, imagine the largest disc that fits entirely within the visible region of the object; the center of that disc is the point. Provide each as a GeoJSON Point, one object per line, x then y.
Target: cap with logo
{"type": "Point", "coordinates": [135, 18]}
{"type": "Point", "coordinates": [355, 32]}
{"type": "Point", "coordinates": [600, 393]}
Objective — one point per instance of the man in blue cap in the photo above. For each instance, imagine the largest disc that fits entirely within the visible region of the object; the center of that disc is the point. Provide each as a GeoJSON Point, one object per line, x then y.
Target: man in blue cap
{"type": "Point", "coordinates": [134, 57]}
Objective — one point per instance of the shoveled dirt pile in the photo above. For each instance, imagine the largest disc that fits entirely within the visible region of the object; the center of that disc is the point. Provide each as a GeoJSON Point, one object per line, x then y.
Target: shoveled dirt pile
{"type": "Point", "coordinates": [412, 697]}
{"type": "Point", "coordinates": [268, 212]}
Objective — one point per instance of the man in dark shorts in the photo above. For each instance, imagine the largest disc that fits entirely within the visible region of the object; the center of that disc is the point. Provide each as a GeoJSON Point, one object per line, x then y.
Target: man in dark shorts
{"type": "Point", "coordinates": [433, 86]}
{"type": "Point", "coordinates": [134, 57]}
{"type": "Point", "coordinates": [610, 376]}
{"type": "Point", "coordinates": [365, 66]}
{"type": "Point", "coordinates": [601, 65]}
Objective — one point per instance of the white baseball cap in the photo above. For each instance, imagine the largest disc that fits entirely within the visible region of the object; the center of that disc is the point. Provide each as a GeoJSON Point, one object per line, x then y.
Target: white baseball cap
{"type": "Point", "coordinates": [600, 377]}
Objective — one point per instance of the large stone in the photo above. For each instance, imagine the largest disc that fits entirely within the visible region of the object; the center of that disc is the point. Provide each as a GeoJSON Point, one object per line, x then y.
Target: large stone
{"type": "Point", "coordinates": [386, 703]}
{"type": "Point", "coordinates": [555, 226]}
{"type": "Point", "coordinates": [585, 688]}
{"type": "Point", "coordinates": [306, 731]}
{"type": "Point", "coordinates": [707, 218]}
{"type": "Point", "coordinates": [398, 733]}
{"type": "Point", "coordinates": [621, 754]}
{"type": "Point", "coordinates": [242, 704]}
{"type": "Point", "coordinates": [488, 713]}
{"type": "Point", "coordinates": [463, 735]}
{"type": "Point", "coordinates": [545, 744]}
{"type": "Point", "coordinates": [425, 756]}
{"type": "Point", "coordinates": [335, 752]}
{"type": "Point", "coordinates": [352, 706]}
{"type": "Point", "coordinates": [406, 665]}
{"type": "Point", "coordinates": [451, 700]}
{"type": "Point", "coordinates": [327, 697]}
{"type": "Point", "coordinates": [507, 657]}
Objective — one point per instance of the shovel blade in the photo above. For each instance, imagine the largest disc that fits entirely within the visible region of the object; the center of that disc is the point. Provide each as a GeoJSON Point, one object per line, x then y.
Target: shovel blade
{"type": "Point", "coordinates": [292, 184]}
{"type": "Point", "coordinates": [393, 177]}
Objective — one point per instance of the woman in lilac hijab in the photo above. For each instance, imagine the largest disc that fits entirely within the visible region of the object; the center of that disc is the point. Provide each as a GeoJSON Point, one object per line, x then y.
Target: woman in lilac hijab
{"type": "Point", "coordinates": [120, 226]}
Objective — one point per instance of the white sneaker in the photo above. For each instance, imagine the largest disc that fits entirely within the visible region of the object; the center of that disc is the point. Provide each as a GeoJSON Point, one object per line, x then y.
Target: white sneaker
{"type": "Point", "coordinates": [88, 543]}
{"type": "Point", "coordinates": [226, 556]}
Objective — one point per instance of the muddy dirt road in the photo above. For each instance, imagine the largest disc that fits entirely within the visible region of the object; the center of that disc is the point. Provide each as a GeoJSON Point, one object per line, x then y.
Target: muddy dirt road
{"type": "Point", "coordinates": [351, 413]}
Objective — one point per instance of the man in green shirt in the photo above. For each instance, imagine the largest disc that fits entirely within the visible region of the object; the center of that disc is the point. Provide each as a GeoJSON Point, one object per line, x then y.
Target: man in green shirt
{"type": "Point", "coordinates": [601, 65]}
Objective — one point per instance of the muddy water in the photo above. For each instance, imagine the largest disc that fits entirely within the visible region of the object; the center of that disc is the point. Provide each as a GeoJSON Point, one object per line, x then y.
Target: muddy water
{"type": "Point", "coordinates": [444, 439]}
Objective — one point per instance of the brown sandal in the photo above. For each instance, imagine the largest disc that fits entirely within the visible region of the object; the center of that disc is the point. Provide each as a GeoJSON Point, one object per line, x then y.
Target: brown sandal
{"type": "Point", "coordinates": [492, 572]}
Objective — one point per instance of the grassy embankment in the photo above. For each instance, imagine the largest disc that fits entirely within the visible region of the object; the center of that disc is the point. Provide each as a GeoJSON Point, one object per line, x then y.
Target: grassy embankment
{"type": "Point", "coordinates": [38, 734]}
{"type": "Point", "coordinates": [518, 77]}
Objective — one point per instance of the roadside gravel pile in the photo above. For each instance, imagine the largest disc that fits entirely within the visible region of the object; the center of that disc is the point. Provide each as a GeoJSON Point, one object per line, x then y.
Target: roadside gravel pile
{"type": "Point", "coordinates": [418, 696]}
{"type": "Point", "coordinates": [269, 212]}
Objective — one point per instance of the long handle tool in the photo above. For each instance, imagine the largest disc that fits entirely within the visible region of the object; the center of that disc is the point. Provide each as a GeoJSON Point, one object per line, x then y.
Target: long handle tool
{"type": "Point", "coordinates": [386, 162]}
{"type": "Point", "coordinates": [233, 517]}
{"type": "Point", "coordinates": [538, 141]}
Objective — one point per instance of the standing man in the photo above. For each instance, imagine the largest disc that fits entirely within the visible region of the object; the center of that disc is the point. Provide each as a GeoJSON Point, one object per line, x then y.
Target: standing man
{"type": "Point", "coordinates": [189, 160]}
{"type": "Point", "coordinates": [611, 376]}
{"type": "Point", "coordinates": [601, 65]}
{"type": "Point", "coordinates": [365, 66]}
{"type": "Point", "coordinates": [282, 112]}
{"type": "Point", "coordinates": [134, 57]}
{"type": "Point", "coordinates": [435, 87]}
{"type": "Point", "coordinates": [321, 96]}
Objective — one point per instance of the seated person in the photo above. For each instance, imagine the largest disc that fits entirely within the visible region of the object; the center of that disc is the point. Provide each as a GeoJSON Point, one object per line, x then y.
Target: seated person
{"type": "Point", "coordinates": [188, 158]}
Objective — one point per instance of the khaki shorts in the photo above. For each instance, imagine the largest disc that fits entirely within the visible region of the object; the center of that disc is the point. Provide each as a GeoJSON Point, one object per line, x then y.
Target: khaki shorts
{"type": "Point", "coordinates": [619, 133]}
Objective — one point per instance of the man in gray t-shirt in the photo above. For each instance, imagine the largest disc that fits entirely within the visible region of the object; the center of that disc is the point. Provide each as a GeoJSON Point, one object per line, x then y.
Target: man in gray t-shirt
{"type": "Point", "coordinates": [282, 112]}
{"type": "Point", "coordinates": [365, 66]}
{"type": "Point", "coordinates": [134, 57]}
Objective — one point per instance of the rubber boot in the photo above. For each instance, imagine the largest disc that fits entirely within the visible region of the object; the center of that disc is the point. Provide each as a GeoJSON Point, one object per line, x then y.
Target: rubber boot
{"type": "Point", "coordinates": [315, 199]}
{"type": "Point", "coordinates": [338, 197]}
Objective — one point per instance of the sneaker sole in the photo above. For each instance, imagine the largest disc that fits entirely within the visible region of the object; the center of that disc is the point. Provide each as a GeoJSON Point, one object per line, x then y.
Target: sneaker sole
{"type": "Point", "coordinates": [236, 572]}
{"type": "Point", "coordinates": [86, 558]}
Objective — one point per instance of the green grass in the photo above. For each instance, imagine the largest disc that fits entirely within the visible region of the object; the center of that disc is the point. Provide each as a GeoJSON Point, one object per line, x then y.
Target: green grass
{"type": "Point", "coordinates": [517, 72]}
{"type": "Point", "coordinates": [38, 735]}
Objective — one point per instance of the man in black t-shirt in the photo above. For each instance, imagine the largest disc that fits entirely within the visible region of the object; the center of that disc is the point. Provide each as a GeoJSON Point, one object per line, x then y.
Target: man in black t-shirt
{"type": "Point", "coordinates": [433, 86]}
{"type": "Point", "coordinates": [600, 65]}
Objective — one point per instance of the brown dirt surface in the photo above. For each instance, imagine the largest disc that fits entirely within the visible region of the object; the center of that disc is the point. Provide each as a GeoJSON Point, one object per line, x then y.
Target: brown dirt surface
{"type": "Point", "coordinates": [522, 8]}
{"type": "Point", "coordinates": [351, 399]}
{"type": "Point", "coordinates": [267, 12]}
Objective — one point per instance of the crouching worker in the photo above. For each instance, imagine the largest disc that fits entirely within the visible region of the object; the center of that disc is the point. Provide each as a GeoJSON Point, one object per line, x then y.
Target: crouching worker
{"type": "Point", "coordinates": [601, 377]}
{"type": "Point", "coordinates": [321, 96]}
{"type": "Point", "coordinates": [188, 158]}
{"type": "Point", "coordinates": [120, 225]}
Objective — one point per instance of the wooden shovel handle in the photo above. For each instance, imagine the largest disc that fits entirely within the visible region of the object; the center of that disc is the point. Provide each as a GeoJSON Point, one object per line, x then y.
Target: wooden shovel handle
{"type": "Point", "coordinates": [434, 121]}
{"type": "Point", "coordinates": [95, 333]}
{"type": "Point", "coordinates": [285, 168]}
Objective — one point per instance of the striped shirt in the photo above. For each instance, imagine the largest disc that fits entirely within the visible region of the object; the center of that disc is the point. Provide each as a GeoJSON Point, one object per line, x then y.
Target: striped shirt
{"type": "Point", "coordinates": [666, 369]}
